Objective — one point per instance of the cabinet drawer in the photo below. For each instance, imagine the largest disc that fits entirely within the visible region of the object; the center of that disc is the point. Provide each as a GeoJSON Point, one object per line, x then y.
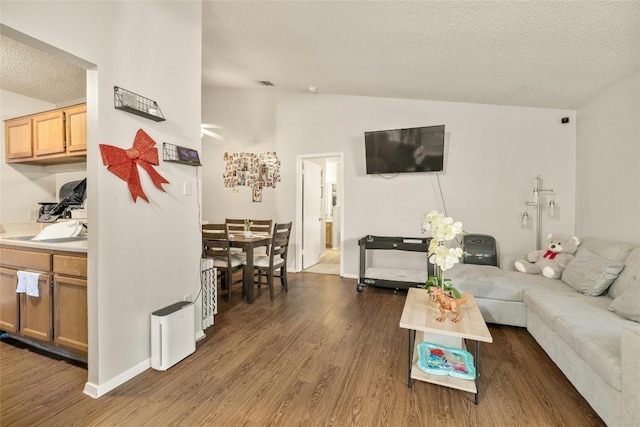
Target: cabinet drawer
{"type": "Point", "coordinates": [70, 265]}
{"type": "Point", "coordinates": [25, 260]}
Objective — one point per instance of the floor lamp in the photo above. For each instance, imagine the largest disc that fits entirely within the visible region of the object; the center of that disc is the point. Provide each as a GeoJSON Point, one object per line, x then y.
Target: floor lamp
{"type": "Point", "coordinates": [538, 202]}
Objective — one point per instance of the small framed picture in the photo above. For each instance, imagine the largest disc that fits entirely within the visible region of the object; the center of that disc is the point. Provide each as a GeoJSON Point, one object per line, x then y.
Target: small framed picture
{"type": "Point", "coordinates": [257, 195]}
{"type": "Point", "coordinates": [188, 156]}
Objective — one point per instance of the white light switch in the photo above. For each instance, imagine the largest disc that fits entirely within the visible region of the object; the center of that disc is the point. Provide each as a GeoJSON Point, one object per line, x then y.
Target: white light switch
{"type": "Point", "coordinates": [186, 188]}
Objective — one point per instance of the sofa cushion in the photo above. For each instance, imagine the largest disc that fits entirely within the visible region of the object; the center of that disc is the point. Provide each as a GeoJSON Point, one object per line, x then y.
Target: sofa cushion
{"type": "Point", "coordinates": [584, 323]}
{"type": "Point", "coordinates": [597, 341]}
{"type": "Point", "coordinates": [615, 251]}
{"type": "Point", "coordinates": [550, 305]}
{"type": "Point", "coordinates": [591, 274]}
{"type": "Point", "coordinates": [630, 273]}
{"type": "Point", "coordinates": [627, 305]}
{"type": "Point", "coordinates": [491, 282]}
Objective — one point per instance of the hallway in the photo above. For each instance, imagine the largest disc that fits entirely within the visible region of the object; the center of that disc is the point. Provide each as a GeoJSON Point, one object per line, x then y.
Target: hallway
{"type": "Point", "coordinates": [329, 263]}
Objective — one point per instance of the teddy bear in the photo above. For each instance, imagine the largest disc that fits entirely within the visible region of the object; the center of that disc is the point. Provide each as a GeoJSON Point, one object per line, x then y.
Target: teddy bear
{"type": "Point", "coordinates": [552, 261]}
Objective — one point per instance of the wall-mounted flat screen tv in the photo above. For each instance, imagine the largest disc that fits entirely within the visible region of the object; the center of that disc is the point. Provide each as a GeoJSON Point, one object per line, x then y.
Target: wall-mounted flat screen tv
{"type": "Point", "coordinates": [418, 149]}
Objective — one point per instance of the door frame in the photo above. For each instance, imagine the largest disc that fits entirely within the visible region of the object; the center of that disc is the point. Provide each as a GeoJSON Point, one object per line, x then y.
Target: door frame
{"type": "Point", "coordinates": [299, 200]}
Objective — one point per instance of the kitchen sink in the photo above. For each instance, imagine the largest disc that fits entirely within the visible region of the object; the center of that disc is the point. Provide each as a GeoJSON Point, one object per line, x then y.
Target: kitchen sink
{"type": "Point", "coordinates": [58, 240]}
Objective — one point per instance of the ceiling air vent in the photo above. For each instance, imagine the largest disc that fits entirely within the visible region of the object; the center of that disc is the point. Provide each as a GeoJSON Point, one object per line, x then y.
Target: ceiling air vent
{"type": "Point", "coordinates": [265, 83]}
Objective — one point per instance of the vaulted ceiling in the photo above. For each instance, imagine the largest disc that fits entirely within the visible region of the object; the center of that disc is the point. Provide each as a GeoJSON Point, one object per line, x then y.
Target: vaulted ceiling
{"type": "Point", "coordinates": [554, 54]}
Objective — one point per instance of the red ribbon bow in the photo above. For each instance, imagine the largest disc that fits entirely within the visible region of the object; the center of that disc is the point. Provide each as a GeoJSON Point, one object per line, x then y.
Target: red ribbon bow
{"type": "Point", "coordinates": [123, 163]}
{"type": "Point", "coordinates": [549, 254]}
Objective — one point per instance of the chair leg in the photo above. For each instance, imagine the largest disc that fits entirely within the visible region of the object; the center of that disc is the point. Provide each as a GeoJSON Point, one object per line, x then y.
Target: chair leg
{"type": "Point", "coordinates": [229, 280]}
{"type": "Point", "coordinates": [283, 277]}
{"type": "Point", "coordinates": [270, 280]}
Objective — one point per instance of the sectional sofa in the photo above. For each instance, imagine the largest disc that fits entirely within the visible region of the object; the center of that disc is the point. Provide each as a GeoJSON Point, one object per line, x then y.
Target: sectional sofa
{"type": "Point", "coordinates": [587, 321]}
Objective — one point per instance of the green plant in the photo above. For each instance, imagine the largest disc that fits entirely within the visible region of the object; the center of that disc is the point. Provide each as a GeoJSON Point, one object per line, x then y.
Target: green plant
{"type": "Point", "coordinates": [445, 285]}
{"type": "Point", "coordinates": [247, 225]}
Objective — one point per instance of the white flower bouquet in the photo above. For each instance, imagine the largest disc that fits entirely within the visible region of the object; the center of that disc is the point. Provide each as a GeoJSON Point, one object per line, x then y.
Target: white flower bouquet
{"type": "Point", "coordinates": [442, 229]}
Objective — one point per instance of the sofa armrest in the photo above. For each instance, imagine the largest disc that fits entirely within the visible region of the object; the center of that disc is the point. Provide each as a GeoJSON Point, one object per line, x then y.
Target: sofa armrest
{"type": "Point", "coordinates": [507, 261]}
{"type": "Point", "coordinates": [630, 377]}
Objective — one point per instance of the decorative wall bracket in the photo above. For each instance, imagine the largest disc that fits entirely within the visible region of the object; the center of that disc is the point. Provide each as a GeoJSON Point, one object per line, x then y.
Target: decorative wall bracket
{"type": "Point", "coordinates": [177, 154]}
{"type": "Point", "coordinates": [133, 103]}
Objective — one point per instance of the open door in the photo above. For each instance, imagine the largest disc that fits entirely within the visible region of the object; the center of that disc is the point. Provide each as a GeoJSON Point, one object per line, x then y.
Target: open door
{"type": "Point", "coordinates": [311, 213]}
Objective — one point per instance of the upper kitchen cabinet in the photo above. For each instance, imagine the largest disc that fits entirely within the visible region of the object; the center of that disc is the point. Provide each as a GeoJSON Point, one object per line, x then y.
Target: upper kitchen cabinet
{"type": "Point", "coordinates": [18, 139]}
{"type": "Point", "coordinates": [52, 137]}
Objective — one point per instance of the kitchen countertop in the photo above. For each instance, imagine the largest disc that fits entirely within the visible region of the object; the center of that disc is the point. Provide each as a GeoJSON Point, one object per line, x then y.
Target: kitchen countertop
{"type": "Point", "coordinates": [9, 231]}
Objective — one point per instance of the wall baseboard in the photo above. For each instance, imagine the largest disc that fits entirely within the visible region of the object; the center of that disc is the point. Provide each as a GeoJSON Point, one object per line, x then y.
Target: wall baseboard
{"type": "Point", "coordinates": [97, 390]}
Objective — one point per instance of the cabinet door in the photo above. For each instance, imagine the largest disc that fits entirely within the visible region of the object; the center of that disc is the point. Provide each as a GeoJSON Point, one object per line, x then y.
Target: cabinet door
{"type": "Point", "coordinates": [76, 129]}
{"type": "Point", "coordinates": [17, 135]}
{"type": "Point", "coordinates": [70, 313]}
{"type": "Point", "coordinates": [9, 300]}
{"type": "Point", "coordinates": [36, 319]}
{"type": "Point", "coordinates": [48, 133]}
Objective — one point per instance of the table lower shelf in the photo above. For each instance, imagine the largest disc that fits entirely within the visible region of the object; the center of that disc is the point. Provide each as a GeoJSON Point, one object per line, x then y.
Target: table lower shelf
{"type": "Point", "coordinates": [443, 380]}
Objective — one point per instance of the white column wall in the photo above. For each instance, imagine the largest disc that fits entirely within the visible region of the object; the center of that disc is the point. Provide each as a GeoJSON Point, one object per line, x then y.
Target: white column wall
{"type": "Point", "coordinates": [135, 266]}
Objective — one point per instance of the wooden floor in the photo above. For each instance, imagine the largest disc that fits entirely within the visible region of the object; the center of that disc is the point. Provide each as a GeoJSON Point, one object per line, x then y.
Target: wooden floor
{"type": "Point", "coordinates": [321, 354]}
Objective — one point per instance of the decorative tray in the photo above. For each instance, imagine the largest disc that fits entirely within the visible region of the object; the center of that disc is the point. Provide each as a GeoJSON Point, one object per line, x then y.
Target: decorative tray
{"type": "Point", "coordinates": [440, 360]}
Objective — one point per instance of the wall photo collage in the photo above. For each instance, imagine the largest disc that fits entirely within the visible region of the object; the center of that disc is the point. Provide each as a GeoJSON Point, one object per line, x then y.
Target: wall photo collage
{"type": "Point", "coordinates": [257, 171]}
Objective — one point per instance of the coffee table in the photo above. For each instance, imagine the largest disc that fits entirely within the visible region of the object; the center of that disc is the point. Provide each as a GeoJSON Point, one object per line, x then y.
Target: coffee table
{"type": "Point", "coordinates": [419, 317]}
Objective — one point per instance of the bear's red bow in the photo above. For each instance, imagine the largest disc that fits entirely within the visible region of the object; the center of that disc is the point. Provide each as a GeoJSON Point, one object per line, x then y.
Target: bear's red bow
{"type": "Point", "coordinates": [549, 254]}
{"type": "Point", "coordinates": [123, 163]}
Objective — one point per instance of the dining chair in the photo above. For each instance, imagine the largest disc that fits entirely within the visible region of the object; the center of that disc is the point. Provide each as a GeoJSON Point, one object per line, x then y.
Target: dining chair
{"type": "Point", "coordinates": [235, 225]}
{"type": "Point", "coordinates": [277, 259]}
{"type": "Point", "coordinates": [215, 245]}
{"type": "Point", "coordinates": [262, 226]}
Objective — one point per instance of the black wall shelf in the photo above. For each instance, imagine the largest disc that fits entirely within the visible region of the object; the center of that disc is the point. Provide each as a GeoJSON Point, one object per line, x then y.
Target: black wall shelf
{"type": "Point", "coordinates": [176, 154]}
{"type": "Point", "coordinates": [133, 103]}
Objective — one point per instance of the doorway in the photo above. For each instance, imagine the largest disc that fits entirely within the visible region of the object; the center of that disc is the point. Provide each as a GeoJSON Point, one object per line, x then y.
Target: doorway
{"type": "Point", "coordinates": [320, 209]}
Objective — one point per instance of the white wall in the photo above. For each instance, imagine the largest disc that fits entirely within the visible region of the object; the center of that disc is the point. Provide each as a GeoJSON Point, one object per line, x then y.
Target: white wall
{"type": "Point", "coordinates": [248, 120]}
{"type": "Point", "coordinates": [493, 156]}
{"type": "Point", "coordinates": [22, 186]}
{"type": "Point", "coordinates": [154, 49]}
{"type": "Point", "coordinates": [608, 155]}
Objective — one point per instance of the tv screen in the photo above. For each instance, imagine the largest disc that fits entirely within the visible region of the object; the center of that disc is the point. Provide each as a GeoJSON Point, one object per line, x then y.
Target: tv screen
{"type": "Point", "coordinates": [405, 150]}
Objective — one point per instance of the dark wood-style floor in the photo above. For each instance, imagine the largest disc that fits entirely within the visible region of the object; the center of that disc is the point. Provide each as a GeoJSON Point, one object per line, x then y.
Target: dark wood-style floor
{"type": "Point", "coordinates": [321, 354]}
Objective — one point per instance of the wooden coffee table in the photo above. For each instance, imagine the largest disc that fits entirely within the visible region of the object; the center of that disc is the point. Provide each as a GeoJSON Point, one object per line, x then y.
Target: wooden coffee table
{"type": "Point", "coordinates": [419, 317]}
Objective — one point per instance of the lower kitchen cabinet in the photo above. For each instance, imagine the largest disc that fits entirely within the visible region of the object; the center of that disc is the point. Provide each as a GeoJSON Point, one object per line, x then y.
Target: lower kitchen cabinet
{"type": "Point", "coordinates": [9, 301]}
{"type": "Point", "coordinates": [70, 312]}
{"type": "Point", "coordinates": [57, 319]}
{"type": "Point", "coordinates": [35, 312]}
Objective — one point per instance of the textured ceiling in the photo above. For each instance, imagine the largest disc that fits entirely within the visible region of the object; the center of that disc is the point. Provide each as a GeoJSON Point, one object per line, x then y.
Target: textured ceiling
{"type": "Point", "coordinates": [533, 53]}
{"type": "Point", "coordinates": [556, 54]}
{"type": "Point", "coordinates": [34, 73]}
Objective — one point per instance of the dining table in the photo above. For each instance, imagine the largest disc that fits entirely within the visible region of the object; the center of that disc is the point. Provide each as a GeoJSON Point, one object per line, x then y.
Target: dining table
{"type": "Point", "coordinates": [248, 243]}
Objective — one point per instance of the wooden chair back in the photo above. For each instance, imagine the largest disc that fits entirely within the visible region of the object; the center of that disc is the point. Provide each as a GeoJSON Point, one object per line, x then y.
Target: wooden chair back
{"type": "Point", "coordinates": [235, 225]}
{"type": "Point", "coordinates": [261, 225]}
{"type": "Point", "coordinates": [215, 241]}
{"type": "Point", "coordinates": [280, 242]}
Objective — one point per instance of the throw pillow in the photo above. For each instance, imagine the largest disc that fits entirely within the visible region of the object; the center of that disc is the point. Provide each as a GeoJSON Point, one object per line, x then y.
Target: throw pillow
{"type": "Point", "coordinates": [591, 274]}
{"type": "Point", "coordinates": [627, 305]}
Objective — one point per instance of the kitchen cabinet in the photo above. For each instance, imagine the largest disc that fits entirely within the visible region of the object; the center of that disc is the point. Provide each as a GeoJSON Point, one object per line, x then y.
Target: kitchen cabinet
{"type": "Point", "coordinates": [51, 137]}
{"type": "Point", "coordinates": [70, 301]}
{"type": "Point", "coordinates": [17, 133]}
{"type": "Point", "coordinates": [57, 319]}
{"type": "Point", "coordinates": [329, 234]}
{"type": "Point", "coordinates": [9, 301]}
{"type": "Point", "coordinates": [76, 129]}
{"type": "Point", "coordinates": [35, 312]}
